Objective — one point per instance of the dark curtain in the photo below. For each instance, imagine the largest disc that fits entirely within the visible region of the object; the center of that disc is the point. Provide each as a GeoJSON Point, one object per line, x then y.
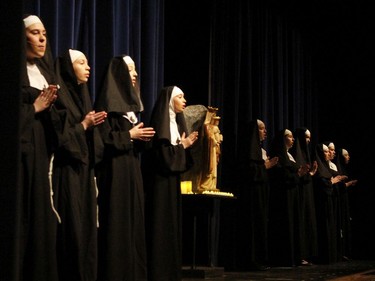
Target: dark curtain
{"type": "Point", "coordinates": [103, 29]}
{"type": "Point", "coordinates": [260, 68]}
{"type": "Point", "coordinates": [10, 101]}
{"type": "Point", "coordinates": [297, 63]}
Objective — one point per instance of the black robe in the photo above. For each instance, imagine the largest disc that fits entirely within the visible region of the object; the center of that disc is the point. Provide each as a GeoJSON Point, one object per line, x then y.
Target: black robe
{"type": "Point", "coordinates": [285, 235]}
{"type": "Point", "coordinates": [253, 198]}
{"type": "Point", "coordinates": [122, 244]}
{"type": "Point", "coordinates": [73, 179]}
{"type": "Point", "coordinates": [37, 259]}
{"type": "Point", "coordinates": [309, 240]}
{"type": "Point", "coordinates": [164, 194]}
{"type": "Point", "coordinates": [325, 209]}
{"type": "Point", "coordinates": [346, 218]}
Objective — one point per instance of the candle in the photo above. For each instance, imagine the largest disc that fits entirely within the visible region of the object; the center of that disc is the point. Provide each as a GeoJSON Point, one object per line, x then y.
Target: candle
{"type": "Point", "coordinates": [189, 186]}
{"type": "Point", "coordinates": [186, 187]}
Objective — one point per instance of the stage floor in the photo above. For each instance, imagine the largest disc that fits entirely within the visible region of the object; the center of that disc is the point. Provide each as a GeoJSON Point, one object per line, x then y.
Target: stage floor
{"type": "Point", "coordinates": [354, 270]}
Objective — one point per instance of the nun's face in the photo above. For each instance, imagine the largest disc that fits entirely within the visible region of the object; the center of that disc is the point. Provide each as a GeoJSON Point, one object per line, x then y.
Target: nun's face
{"type": "Point", "coordinates": [262, 131]}
{"type": "Point", "coordinates": [289, 140]}
{"type": "Point", "coordinates": [81, 69]}
{"type": "Point", "coordinates": [179, 103]}
{"type": "Point", "coordinates": [308, 138]}
{"type": "Point", "coordinates": [326, 154]}
{"type": "Point", "coordinates": [332, 152]}
{"type": "Point", "coordinates": [133, 73]}
{"type": "Point", "coordinates": [36, 41]}
{"type": "Point", "coordinates": [346, 157]}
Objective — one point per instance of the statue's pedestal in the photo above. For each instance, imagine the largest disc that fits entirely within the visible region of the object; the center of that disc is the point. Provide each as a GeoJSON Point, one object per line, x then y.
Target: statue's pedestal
{"type": "Point", "coordinates": [200, 235]}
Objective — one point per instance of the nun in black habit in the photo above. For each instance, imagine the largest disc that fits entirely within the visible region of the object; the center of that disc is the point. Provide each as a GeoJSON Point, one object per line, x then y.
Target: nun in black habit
{"type": "Point", "coordinates": [336, 196]}
{"type": "Point", "coordinates": [325, 182]}
{"type": "Point", "coordinates": [285, 236]}
{"type": "Point", "coordinates": [122, 244]}
{"type": "Point", "coordinates": [73, 171]}
{"type": "Point", "coordinates": [171, 157]}
{"type": "Point", "coordinates": [342, 163]}
{"type": "Point", "coordinates": [253, 197]}
{"type": "Point", "coordinates": [301, 153]}
{"type": "Point", "coordinates": [36, 255]}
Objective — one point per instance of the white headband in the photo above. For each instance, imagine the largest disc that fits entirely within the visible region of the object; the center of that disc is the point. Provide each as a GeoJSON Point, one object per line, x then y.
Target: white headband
{"type": "Point", "coordinates": [288, 132]}
{"type": "Point", "coordinates": [128, 60]}
{"type": "Point", "coordinates": [176, 91]}
{"type": "Point", "coordinates": [75, 54]}
{"type": "Point", "coordinates": [30, 20]}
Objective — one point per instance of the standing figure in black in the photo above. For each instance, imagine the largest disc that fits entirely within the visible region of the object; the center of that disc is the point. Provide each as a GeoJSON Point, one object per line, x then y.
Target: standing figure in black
{"type": "Point", "coordinates": [342, 163]}
{"type": "Point", "coordinates": [170, 158]}
{"type": "Point", "coordinates": [253, 196]}
{"type": "Point", "coordinates": [122, 242]}
{"type": "Point", "coordinates": [301, 153]}
{"type": "Point", "coordinates": [36, 257]}
{"type": "Point", "coordinates": [326, 183]}
{"type": "Point", "coordinates": [285, 235]}
{"type": "Point", "coordinates": [73, 170]}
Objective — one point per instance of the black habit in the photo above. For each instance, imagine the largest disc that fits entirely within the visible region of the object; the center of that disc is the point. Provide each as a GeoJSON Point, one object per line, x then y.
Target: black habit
{"type": "Point", "coordinates": [346, 218]}
{"type": "Point", "coordinates": [309, 240]}
{"type": "Point", "coordinates": [325, 208]}
{"type": "Point", "coordinates": [122, 245]}
{"type": "Point", "coordinates": [37, 251]}
{"type": "Point", "coordinates": [253, 196]}
{"type": "Point", "coordinates": [73, 179]}
{"type": "Point", "coordinates": [168, 162]}
{"type": "Point", "coordinates": [284, 207]}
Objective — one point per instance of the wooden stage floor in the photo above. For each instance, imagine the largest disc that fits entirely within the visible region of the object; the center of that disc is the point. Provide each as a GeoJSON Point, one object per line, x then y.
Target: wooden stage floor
{"type": "Point", "coordinates": [354, 270]}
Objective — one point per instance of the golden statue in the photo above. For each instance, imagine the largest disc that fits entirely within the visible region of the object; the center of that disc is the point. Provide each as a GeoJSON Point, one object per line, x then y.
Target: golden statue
{"type": "Point", "coordinates": [213, 139]}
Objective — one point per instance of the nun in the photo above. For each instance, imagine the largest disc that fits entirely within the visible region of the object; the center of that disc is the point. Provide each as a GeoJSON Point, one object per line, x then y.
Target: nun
{"type": "Point", "coordinates": [326, 182]}
{"type": "Point", "coordinates": [253, 190]}
{"type": "Point", "coordinates": [73, 170]}
{"type": "Point", "coordinates": [170, 158]}
{"type": "Point", "coordinates": [285, 235]}
{"type": "Point", "coordinates": [301, 153]}
{"type": "Point", "coordinates": [342, 162]}
{"type": "Point", "coordinates": [36, 256]}
{"type": "Point", "coordinates": [122, 244]}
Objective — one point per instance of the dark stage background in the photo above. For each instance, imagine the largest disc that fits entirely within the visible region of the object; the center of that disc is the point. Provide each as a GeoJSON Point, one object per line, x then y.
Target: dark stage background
{"type": "Point", "coordinates": [290, 63]}
{"type": "Point", "coordinates": [315, 70]}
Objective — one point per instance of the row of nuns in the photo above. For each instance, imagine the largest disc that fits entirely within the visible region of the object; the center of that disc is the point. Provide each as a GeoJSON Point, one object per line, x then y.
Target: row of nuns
{"type": "Point", "coordinates": [296, 200]}
{"type": "Point", "coordinates": [85, 213]}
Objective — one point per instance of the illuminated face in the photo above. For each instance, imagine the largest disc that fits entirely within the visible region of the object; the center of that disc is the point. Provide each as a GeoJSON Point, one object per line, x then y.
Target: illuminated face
{"type": "Point", "coordinates": [327, 155]}
{"type": "Point", "coordinates": [289, 140]}
{"type": "Point", "coordinates": [332, 152]}
{"type": "Point", "coordinates": [133, 73]}
{"type": "Point", "coordinates": [81, 69]}
{"type": "Point", "coordinates": [262, 131]}
{"type": "Point", "coordinates": [36, 41]}
{"type": "Point", "coordinates": [308, 137]}
{"type": "Point", "coordinates": [346, 156]}
{"type": "Point", "coordinates": [179, 103]}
